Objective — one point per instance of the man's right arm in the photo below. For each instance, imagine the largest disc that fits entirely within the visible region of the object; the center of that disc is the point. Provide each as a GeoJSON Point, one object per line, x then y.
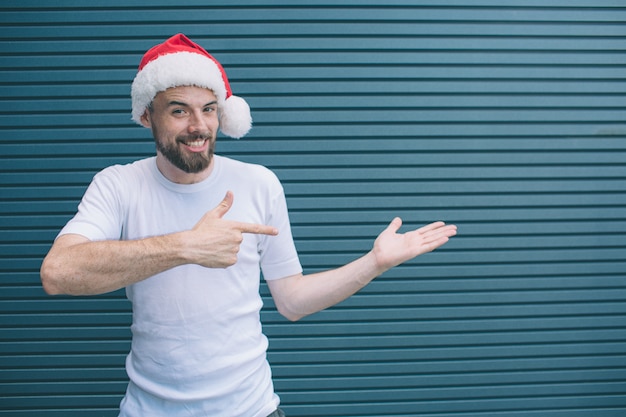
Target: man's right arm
{"type": "Point", "coordinates": [77, 266]}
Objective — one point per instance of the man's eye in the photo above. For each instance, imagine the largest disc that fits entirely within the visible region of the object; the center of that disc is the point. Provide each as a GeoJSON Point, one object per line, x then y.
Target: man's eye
{"type": "Point", "coordinates": [210, 109]}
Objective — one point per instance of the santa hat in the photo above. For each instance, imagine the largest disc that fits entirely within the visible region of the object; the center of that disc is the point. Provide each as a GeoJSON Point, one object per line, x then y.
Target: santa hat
{"type": "Point", "coordinates": [181, 62]}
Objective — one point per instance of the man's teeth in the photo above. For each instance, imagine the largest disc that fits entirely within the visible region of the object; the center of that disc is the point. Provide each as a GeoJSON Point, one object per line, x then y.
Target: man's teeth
{"type": "Point", "coordinates": [194, 143]}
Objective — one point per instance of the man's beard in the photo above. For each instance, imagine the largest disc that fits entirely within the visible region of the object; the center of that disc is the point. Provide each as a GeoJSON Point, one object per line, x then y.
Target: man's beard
{"type": "Point", "coordinates": [190, 162]}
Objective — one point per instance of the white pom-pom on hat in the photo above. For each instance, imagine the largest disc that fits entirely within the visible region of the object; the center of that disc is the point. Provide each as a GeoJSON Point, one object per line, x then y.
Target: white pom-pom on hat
{"type": "Point", "coordinates": [181, 62]}
{"type": "Point", "coordinates": [235, 119]}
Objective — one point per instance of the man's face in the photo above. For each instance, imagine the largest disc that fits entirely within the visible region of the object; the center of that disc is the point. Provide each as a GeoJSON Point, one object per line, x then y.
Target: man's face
{"type": "Point", "coordinates": [184, 124]}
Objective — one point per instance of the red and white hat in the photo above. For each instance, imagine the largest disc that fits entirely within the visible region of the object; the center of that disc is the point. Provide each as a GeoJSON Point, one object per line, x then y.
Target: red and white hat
{"type": "Point", "coordinates": [181, 62]}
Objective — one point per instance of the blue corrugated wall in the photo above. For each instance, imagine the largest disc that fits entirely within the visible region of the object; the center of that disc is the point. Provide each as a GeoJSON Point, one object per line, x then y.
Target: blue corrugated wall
{"type": "Point", "coordinates": [504, 117]}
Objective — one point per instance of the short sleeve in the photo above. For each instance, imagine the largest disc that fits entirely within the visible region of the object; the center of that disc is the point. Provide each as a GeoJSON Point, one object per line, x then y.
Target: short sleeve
{"type": "Point", "coordinates": [279, 258]}
{"type": "Point", "coordinates": [100, 212]}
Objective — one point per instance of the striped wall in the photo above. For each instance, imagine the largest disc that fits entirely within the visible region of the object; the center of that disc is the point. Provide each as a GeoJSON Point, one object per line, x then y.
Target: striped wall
{"type": "Point", "coordinates": [504, 117]}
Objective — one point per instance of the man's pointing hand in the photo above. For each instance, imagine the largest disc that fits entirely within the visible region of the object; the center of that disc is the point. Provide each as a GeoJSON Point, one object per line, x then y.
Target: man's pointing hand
{"type": "Point", "coordinates": [215, 242]}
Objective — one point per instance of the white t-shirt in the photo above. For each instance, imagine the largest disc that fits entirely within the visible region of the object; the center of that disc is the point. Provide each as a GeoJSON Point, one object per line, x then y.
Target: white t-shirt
{"type": "Point", "coordinates": [198, 347]}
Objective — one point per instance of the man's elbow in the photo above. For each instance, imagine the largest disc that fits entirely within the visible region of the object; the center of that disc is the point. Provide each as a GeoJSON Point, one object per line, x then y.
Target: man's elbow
{"type": "Point", "coordinates": [50, 277]}
{"type": "Point", "coordinates": [288, 313]}
{"type": "Point", "coordinates": [292, 317]}
{"type": "Point", "coordinates": [286, 298]}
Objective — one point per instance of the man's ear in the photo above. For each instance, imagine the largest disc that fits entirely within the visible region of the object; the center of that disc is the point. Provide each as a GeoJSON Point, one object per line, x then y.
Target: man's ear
{"type": "Point", "coordinates": [145, 119]}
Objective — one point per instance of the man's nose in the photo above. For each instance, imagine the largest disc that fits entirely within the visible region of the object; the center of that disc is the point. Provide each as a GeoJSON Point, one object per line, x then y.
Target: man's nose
{"type": "Point", "coordinates": [197, 124]}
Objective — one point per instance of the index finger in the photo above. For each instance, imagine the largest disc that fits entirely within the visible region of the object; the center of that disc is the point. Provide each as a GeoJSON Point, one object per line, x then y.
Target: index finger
{"type": "Point", "coordinates": [257, 229]}
{"type": "Point", "coordinates": [431, 226]}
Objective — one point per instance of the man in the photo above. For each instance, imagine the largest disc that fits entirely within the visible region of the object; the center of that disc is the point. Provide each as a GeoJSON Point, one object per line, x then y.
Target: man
{"type": "Point", "coordinates": [187, 233]}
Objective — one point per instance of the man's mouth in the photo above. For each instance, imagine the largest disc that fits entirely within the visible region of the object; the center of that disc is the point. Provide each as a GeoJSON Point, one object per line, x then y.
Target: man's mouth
{"type": "Point", "coordinates": [196, 144]}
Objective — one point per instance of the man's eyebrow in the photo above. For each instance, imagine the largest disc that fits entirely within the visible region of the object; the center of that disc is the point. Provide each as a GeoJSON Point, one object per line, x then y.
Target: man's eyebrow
{"type": "Point", "coordinates": [180, 103]}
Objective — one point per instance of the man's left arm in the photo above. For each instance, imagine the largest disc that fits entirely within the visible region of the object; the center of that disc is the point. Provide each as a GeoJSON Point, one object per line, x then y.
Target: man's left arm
{"type": "Point", "coordinates": [300, 295]}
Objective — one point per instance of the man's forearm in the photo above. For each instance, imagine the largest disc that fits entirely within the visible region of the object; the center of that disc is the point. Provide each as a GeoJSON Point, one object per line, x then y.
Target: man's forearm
{"type": "Point", "coordinates": [80, 267]}
{"type": "Point", "coordinates": [302, 295]}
